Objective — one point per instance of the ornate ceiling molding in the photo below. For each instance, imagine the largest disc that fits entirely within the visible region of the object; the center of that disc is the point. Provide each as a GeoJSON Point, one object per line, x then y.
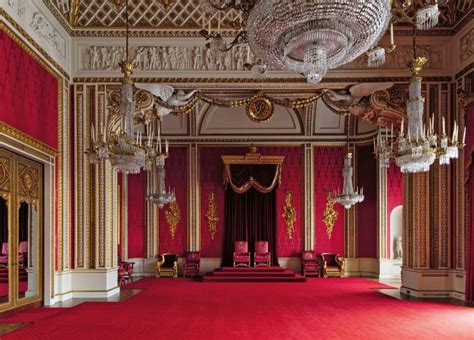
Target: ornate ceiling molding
{"type": "Point", "coordinates": [184, 18]}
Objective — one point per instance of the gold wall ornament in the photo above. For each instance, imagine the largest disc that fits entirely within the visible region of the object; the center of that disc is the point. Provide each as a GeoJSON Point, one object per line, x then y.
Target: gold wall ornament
{"type": "Point", "coordinates": [259, 109]}
{"type": "Point", "coordinates": [211, 215]}
{"type": "Point", "coordinates": [329, 214]}
{"type": "Point", "coordinates": [289, 214]}
{"type": "Point", "coordinates": [173, 216]}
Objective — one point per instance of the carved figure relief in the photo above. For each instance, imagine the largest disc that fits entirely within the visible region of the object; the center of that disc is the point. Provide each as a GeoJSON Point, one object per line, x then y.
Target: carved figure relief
{"type": "Point", "coordinates": [148, 58]}
{"type": "Point", "coordinates": [369, 101]}
{"type": "Point", "coordinates": [467, 46]}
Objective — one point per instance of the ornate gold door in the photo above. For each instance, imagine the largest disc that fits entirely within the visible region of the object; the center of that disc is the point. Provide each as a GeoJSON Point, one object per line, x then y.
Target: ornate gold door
{"type": "Point", "coordinates": [21, 227]}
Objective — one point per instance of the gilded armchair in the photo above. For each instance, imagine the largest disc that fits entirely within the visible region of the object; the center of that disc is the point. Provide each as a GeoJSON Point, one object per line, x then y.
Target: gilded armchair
{"type": "Point", "coordinates": [167, 265]}
{"type": "Point", "coordinates": [261, 256]}
{"type": "Point", "coordinates": [241, 254]}
{"type": "Point", "coordinates": [310, 265]}
{"type": "Point", "coordinates": [332, 264]}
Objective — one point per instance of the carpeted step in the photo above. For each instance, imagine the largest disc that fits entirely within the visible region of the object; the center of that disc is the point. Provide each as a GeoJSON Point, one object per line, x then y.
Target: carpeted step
{"type": "Point", "coordinates": [296, 278]}
{"type": "Point", "coordinates": [250, 269]}
{"type": "Point", "coordinates": [253, 274]}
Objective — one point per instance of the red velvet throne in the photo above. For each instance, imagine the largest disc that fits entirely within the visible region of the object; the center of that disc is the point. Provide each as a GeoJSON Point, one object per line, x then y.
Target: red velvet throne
{"type": "Point", "coordinates": [261, 256]}
{"type": "Point", "coordinates": [241, 254]}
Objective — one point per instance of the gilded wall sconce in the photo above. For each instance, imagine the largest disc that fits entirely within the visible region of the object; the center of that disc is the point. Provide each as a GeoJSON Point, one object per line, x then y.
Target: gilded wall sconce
{"type": "Point", "coordinates": [289, 214]}
{"type": "Point", "coordinates": [173, 216]}
{"type": "Point", "coordinates": [211, 215]}
{"type": "Point", "coordinates": [329, 214]}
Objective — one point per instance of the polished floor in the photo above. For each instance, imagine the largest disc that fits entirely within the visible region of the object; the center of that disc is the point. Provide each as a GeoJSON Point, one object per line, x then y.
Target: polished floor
{"type": "Point", "coordinates": [349, 308]}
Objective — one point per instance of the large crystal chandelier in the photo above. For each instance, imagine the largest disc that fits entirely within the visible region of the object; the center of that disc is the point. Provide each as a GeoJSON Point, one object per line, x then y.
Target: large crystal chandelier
{"type": "Point", "coordinates": [348, 197]}
{"type": "Point", "coordinates": [417, 150]}
{"type": "Point", "coordinates": [310, 36]}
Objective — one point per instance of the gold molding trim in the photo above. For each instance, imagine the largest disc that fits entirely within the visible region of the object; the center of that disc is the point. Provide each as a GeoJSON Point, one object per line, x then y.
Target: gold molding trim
{"type": "Point", "coordinates": [16, 134]}
{"type": "Point", "coordinates": [28, 38]}
{"type": "Point", "coordinates": [252, 157]}
{"type": "Point", "coordinates": [173, 216]}
{"type": "Point", "coordinates": [211, 215]}
{"type": "Point", "coordinates": [289, 214]}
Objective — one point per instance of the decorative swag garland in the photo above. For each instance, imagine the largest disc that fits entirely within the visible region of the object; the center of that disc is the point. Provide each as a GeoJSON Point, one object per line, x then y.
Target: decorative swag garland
{"type": "Point", "coordinates": [234, 176]}
{"type": "Point", "coordinates": [288, 103]}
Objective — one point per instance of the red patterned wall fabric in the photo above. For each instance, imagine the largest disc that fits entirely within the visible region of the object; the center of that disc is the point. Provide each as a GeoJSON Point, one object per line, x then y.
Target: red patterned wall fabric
{"type": "Point", "coordinates": [136, 232]}
{"type": "Point", "coordinates": [211, 173]}
{"type": "Point", "coordinates": [28, 94]}
{"type": "Point", "coordinates": [211, 180]}
{"type": "Point", "coordinates": [292, 180]}
{"type": "Point", "coordinates": [367, 210]}
{"type": "Point", "coordinates": [469, 149]}
{"type": "Point", "coordinates": [176, 177]}
{"type": "Point", "coordinates": [394, 196]}
{"type": "Point", "coordinates": [328, 165]}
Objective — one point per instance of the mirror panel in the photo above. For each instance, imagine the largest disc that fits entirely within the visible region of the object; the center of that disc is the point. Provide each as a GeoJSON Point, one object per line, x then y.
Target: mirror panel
{"type": "Point", "coordinates": [4, 269]}
{"type": "Point", "coordinates": [28, 250]}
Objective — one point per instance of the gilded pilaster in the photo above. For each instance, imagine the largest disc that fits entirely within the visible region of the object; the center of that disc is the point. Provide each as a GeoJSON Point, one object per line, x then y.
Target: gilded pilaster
{"type": "Point", "coordinates": [460, 244]}
{"type": "Point", "coordinates": [82, 183]}
{"type": "Point", "coordinates": [66, 176]}
{"type": "Point", "coordinates": [124, 226]}
{"type": "Point", "coordinates": [194, 217]}
{"type": "Point", "coordinates": [381, 212]}
{"type": "Point", "coordinates": [308, 175]}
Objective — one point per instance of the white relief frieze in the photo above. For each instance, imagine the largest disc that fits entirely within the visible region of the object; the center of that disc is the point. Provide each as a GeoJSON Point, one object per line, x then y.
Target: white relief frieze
{"type": "Point", "coordinates": [149, 58]}
{"type": "Point", "coordinates": [36, 23]}
{"type": "Point", "coordinates": [467, 46]}
{"type": "Point", "coordinates": [200, 58]}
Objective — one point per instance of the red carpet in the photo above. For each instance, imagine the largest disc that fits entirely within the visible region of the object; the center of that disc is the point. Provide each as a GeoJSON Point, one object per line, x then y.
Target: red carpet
{"type": "Point", "coordinates": [252, 274]}
{"type": "Point", "coordinates": [185, 309]}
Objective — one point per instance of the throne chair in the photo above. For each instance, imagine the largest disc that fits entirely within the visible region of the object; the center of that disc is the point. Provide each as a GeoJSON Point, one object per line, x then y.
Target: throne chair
{"type": "Point", "coordinates": [241, 254]}
{"type": "Point", "coordinates": [261, 256]}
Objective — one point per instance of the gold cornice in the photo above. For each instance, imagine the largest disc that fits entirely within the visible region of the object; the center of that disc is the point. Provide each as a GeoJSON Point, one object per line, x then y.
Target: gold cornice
{"type": "Point", "coordinates": [30, 141]}
{"type": "Point", "coordinates": [27, 48]}
{"type": "Point", "coordinates": [242, 80]}
{"type": "Point", "coordinates": [252, 158]}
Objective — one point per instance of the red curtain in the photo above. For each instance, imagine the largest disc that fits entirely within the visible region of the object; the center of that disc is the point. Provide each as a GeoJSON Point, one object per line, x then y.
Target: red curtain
{"type": "Point", "coordinates": [251, 217]}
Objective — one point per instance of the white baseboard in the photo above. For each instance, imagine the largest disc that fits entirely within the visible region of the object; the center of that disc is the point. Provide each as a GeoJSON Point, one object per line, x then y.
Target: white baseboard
{"type": "Point", "coordinates": [372, 267]}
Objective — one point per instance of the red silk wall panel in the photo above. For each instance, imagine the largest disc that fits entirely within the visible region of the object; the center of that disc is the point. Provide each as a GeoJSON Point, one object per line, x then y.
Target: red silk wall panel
{"type": "Point", "coordinates": [394, 196]}
{"type": "Point", "coordinates": [367, 210]}
{"type": "Point", "coordinates": [28, 94]}
{"type": "Point", "coordinates": [211, 180]}
{"type": "Point", "coordinates": [136, 231]}
{"type": "Point", "coordinates": [292, 180]}
{"type": "Point", "coordinates": [176, 177]}
{"type": "Point", "coordinates": [328, 165]}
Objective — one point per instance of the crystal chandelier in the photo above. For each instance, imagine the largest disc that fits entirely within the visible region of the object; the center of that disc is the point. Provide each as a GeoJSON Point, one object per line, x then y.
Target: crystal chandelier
{"type": "Point", "coordinates": [124, 149]}
{"type": "Point", "coordinates": [161, 197]}
{"type": "Point", "coordinates": [311, 37]}
{"type": "Point", "coordinates": [348, 197]}
{"type": "Point", "coordinates": [418, 149]}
